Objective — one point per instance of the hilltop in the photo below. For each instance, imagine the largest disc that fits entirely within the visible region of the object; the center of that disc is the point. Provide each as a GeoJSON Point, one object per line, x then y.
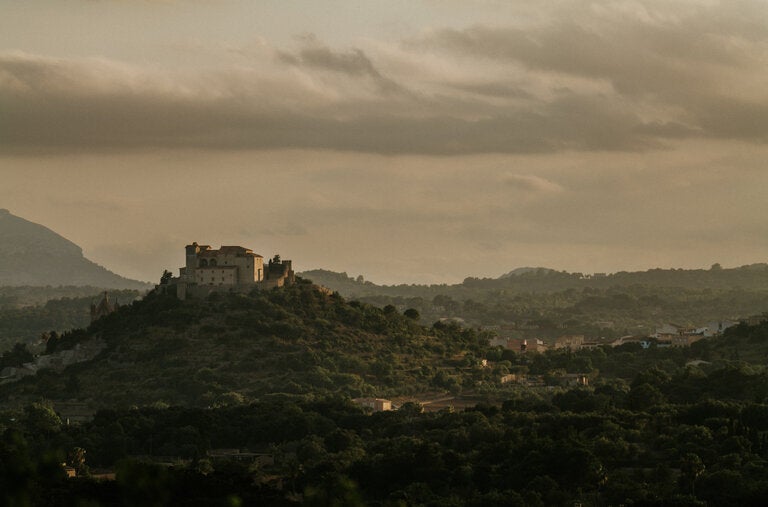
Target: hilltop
{"type": "Point", "coordinates": [33, 255]}
{"type": "Point", "coordinates": [225, 347]}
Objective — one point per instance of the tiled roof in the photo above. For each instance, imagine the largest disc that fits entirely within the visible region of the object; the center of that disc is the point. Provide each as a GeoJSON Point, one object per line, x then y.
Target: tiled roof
{"type": "Point", "coordinates": [229, 250]}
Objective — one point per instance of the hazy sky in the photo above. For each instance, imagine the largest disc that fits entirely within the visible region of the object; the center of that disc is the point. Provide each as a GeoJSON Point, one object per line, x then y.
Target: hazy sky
{"type": "Point", "coordinates": [410, 141]}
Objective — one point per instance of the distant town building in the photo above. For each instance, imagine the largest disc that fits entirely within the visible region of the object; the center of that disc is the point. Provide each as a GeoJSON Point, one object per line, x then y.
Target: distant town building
{"type": "Point", "coordinates": [679, 336]}
{"type": "Point", "coordinates": [572, 342]}
{"type": "Point", "coordinates": [533, 345]}
{"type": "Point", "coordinates": [375, 404]}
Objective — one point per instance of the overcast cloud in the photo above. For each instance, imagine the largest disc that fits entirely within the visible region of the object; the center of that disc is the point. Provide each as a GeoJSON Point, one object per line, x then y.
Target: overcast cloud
{"type": "Point", "coordinates": [601, 80]}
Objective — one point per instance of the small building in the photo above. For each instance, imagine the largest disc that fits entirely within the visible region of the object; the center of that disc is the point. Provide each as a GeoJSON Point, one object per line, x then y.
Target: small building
{"type": "Point", "coordinates": [375, 404]}
{"type": "Point", "coordinates": [576, 379]}
{"type": "Point", "coordinates": [260, 458]}
{"type": "Point", "coordinates": [533, 345]}
{"type": "Point", "coordinates": [512, 377]}
{"type": "Point", "coordinates": [572, 342]}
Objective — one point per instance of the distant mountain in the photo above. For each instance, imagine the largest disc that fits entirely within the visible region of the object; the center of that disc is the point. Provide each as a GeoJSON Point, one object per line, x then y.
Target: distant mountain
{"type": "Point", "coordinates": [31, 254]}
{"type": "Point", "coordinates": [525, 271]}
{"type": "Point", "coordinates": [544, 280]}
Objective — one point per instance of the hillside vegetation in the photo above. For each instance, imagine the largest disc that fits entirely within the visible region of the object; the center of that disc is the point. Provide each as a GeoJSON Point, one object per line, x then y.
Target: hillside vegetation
{"type": "Point", "coordinates": [235, 347]}
{"type": "Point", "coordinates": [24, 318]}
{"type": "Point", "coordinates": [545, 303]}
{"type": "Point", "coordinates": [686, 438]}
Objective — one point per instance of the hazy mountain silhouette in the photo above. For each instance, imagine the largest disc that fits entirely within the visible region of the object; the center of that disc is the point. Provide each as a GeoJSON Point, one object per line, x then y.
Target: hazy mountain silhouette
{"type": "Point", "coordinates": [31, 254]}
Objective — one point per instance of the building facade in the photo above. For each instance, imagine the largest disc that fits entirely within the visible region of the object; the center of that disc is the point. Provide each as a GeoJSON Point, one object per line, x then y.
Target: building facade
{"type": "Point", "coordinates": [229, 265]}
{"type": "Point", "coordinates": [228, 268]}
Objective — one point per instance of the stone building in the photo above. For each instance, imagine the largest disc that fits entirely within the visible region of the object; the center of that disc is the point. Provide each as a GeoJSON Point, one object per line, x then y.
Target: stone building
{"type": "Point", "coordinates": [229, 265]}
{"type": "Point", "coordinates": [229, 268]}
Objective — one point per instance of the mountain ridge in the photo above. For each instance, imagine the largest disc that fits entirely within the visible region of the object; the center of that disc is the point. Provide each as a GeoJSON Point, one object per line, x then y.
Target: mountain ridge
{"type": "Point", "coordinates": [543, 279]}
{"type": "Point", "coordinates": [34, 255]}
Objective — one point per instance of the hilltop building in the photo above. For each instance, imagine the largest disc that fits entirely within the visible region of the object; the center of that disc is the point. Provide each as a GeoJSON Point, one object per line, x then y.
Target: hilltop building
{"type": "Point", "coordinates": [230, 269]}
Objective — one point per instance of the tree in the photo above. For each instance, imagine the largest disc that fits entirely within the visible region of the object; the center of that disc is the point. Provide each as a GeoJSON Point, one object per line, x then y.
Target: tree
{"type": "Point", "coordinates": [16, 356]}
{"type": "Point", "coordinates": [412, 314]}
{"type": "Point", "coordinates": [41, 419]}
{"type": "Point", "coordinates": [76, 459]}
{"type": "Point", "coordinates": [691, 467]}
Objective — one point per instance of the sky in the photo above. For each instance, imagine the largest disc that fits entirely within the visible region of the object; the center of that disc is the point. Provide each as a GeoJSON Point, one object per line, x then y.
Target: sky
{"type": "Point", "coordinates": [418, 141]}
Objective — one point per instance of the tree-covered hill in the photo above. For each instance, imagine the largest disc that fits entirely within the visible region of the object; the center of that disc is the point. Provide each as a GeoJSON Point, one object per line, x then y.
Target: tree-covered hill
{"type": "Point", "coordinates": [544, 280]}
{"type": "Point", "coordinates": [683, 437]}
{"type": "Point", "coordinates": [25, 323]}
{"type": "Point", "coordinates": [234, 347]}
{"type": "Point", "coordinates": [544, 303]}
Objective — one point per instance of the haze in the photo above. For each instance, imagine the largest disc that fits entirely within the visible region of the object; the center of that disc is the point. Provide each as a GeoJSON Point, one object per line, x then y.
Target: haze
{"type": "Point", "coordinates": [421, 141]}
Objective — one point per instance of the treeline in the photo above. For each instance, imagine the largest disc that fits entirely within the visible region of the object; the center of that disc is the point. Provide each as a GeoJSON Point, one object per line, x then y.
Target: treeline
{"type": "Point", "coordinates": [547, 303]}
{"type": "Point", "coordinates": [543, 280]}
{"type": "Point", "coordinates": [590, 446]}
{"type": "Point", "coordinates": [28, 295]}
{"type": "Point", "coordinates": [608, 313]}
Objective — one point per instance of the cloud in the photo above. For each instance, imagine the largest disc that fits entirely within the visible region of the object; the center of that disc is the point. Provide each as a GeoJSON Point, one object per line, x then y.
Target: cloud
{"type": "Point", "coordinates": [694, 69]}
{"type": "Point", "coordinates": [354, 62]}
{"type": "Point", "coordinates": [65, 105]}
{"type": "Point", "coordinates": [633, 78]}
{"type": "Point", "coordinates": [532, 183]}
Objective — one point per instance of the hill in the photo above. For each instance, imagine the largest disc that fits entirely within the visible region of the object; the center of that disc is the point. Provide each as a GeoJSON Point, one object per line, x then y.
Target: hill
{"type": "Point", "coordinates": [31, 254]}
{"type": "Point", "coordinates": [544, 303]}
{"type": "Point", "coordinates": [259, 384]}
{"type": "Point", "coordinates": [545, 280]}
{"type": "Point", "coordinates": [293, 340]}
{"type": "Point", "coordinates": [70, 310]}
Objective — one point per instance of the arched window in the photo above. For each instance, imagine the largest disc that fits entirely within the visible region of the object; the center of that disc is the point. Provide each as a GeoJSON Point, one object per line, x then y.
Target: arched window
{"type": "Point", "coordinates": [203, 263]}
{"type": "Point", "coordinates": [212, 263]}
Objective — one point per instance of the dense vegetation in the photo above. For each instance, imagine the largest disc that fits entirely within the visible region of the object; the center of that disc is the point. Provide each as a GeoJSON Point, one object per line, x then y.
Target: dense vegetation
{"type": "Point", "coordinates": [28, 312]}
{"type": "Point", "coordinates": [272, 373]}
{"type": "Point", "coordinates": [545, 303]}
{"type": "Point", "coordinates": [686, 438]}
{"type": "Point", "coordinates": [231, 346]}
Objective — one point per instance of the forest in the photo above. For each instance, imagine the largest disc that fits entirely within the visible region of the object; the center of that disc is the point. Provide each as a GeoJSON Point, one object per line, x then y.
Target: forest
{"type": "Point", "coordinates": [544, 303]}
{"type": "Point", "coordinates": [175, 425]}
